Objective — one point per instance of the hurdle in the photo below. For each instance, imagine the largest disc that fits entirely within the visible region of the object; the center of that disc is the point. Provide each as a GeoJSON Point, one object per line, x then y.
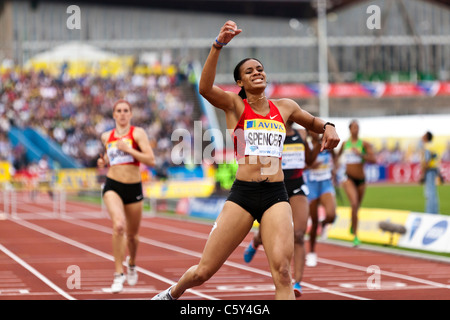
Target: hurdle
{"type": "Point", "coordinates": [9, 201]}
{"type": "Point", "coordinates": [59, 202]}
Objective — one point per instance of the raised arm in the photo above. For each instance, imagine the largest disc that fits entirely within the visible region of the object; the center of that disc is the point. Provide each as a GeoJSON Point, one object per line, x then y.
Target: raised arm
{"type": "Point", "coordinates": [369, 157]}
{"type": "Point", "coordinates": [216, 96]}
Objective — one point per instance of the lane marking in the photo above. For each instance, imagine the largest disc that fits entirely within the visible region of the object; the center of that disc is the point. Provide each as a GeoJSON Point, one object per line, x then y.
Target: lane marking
{"type": "Point", "coordinates": [99, 253]}
{"type": "Point", "coordinates": [340, 264]}
{"type": "Point", "coordinates": [167, 246]}
{"type": "Point", "coordinates": [386, 273]}
{"type": "Point", "coordinates": [39, 275]}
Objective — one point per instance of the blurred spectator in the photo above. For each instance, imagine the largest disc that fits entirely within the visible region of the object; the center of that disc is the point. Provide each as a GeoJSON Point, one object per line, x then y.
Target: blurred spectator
{"type": "Point", "coordinates": [20, 161]}
{"type": "Point", "coordinates": [396, 155]}
{"type": "Point", "coordinates": [415, 154]}
{"type": "Point", "coordinates": [383, 154]}
{"type": "Point", "coordinates": [386, 156]}
{"type": "Point", "coordinates": [6, 153]}
{"type": "Point", "coordinates": [446, 154]}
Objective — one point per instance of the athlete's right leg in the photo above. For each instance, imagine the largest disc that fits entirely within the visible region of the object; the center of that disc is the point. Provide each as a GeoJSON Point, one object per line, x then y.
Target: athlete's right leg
{"type": "Point", "coordinates": [277, 232]}
{"type": "Point", "coordinates": [115, 208]}
{"type": "Point", "coordinates": [328, 200]}
{"type": "Point", "coordinates": [230, 228]}
{"type": "Point", "coordinates": [300, 214]}
{"type": "Point", "coordinates": [353, 197]}
{"type": "Point", "coordinates": [133, 214]}
{"type": "Point", "coordinates": [313, 213]}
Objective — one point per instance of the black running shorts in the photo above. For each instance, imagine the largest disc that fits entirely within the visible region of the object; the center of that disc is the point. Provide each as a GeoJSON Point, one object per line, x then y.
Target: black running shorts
{"type": "Point", "coordinates": [296, 187]}
{"type": "Point", "coordinates": [257, 197]}
{"type": "Point", "coordinates": [128, 192]}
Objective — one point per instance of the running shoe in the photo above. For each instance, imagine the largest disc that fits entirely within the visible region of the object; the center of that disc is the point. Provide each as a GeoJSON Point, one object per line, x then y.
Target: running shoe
{"type": "Point", "coordinates": [311, 259]}
{"type": "Point", "coordinates": [297, 290]}
{"type": "Point", "coordinates": [165, 295]}
{"type": "Point", "coordinates": [117, 286]}
{"type": "Point", "coordinates": [249, 253]}
{"type": "Point", "coordinates": [356, 241]}
{"type": "Point", "coordinates": [132, 275]}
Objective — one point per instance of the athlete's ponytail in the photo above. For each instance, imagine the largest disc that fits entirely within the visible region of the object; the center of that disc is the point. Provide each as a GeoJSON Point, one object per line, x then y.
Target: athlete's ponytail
{"type": "Point", "coordinates": [242, 93]}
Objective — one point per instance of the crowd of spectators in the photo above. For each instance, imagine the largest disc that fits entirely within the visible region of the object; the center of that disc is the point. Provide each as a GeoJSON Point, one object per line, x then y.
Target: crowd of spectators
{"type": "Point", "coordinates": [410, 154]}
{"type": "Point", "coordinates": [74, 112]}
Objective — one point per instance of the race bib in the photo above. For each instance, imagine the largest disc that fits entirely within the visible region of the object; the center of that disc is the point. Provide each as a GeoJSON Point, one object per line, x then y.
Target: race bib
{"type": "Point", "coordinates": [264, 137]}
{"type": "Point", "coordinates": [293, 156]}
{"type": "Point", "coordinates": [352, 158]}
{"type": "Point", "coordinates": [323, 171]}
{"type": "Point", "coordinates": [117, 156]}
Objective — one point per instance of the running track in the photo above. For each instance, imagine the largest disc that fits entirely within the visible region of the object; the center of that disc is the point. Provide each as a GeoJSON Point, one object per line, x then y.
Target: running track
{"type": "Point", "coordinates": [43, 257]}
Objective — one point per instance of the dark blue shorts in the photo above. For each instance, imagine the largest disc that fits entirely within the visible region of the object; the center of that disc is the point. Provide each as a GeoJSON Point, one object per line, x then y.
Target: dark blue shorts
{"type": "Point", "coordinates": [257, 197]}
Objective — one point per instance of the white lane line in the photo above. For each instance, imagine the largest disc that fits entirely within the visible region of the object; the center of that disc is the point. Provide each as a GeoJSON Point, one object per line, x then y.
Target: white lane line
{"type": "Point", "coordinates": [386, 273]}
{"type": "Point", "coordinates": [167, 246]}
{"type": "Point", "coordinates": [159, 226]}
{"type": "Point", "coordinates": [39, 275]}
{"type": "Point", "coordinates": [325, 261]}
{"type": "Point", "coordinates": [99, 253]}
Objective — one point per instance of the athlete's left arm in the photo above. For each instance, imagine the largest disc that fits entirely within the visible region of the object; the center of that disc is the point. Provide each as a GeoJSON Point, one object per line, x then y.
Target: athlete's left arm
{"type": "Point", "coordinates": [330, 137]}
{"type": "Point", "coordinates": [145, 153]}
{"type": "Point", "coordinates": [369, 156]}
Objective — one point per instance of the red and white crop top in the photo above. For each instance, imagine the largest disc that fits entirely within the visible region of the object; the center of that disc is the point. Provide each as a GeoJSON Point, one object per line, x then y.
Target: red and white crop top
{"type": "Point", "coordinates": [257, 135]}
{"type": "Point", "coordinates": [116, 156]}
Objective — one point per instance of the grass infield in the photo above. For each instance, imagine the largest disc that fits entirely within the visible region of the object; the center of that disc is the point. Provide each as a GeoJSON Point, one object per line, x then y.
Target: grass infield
{"type": "Point", "coordinates": [398, 196]}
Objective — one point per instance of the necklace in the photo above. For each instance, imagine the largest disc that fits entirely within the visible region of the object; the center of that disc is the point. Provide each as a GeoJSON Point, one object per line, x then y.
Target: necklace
{"type": "Point", "coordinates": [120, 133]}
{"type": "Point", "coordinates": [260, 98]}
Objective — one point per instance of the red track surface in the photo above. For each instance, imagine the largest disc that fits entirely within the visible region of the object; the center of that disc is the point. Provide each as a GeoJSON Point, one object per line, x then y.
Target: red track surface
{"type": "Point", "coordinates": [38, 256]}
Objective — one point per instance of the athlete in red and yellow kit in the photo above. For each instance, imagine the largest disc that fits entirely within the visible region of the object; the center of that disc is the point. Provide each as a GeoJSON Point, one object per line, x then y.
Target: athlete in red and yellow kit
{"type": "Point", "coordinates": [258, 192]}
{"type": "Point", "coordinates": [126, 147]}
{"type": "Point", "coordinates": [296, 155]}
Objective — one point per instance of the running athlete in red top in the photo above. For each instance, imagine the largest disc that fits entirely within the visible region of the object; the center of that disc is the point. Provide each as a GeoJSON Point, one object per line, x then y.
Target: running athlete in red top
{"type": "Point", "coordinates": [296, 155]}
{"type": "Point", "coordinates": [126, 147]}
{"type": "Point", "coordinates": [258, 191]}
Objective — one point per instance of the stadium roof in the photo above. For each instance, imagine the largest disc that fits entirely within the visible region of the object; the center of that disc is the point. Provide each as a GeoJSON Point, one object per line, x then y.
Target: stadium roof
{"type": "Point", "coordinates": [274, 8]}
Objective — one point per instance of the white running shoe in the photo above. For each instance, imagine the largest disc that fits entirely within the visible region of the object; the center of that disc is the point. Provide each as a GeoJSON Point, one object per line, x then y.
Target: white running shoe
{"type": "Point", "coordinates": [132, 275]}
{"type": "Point", "coordinates": [117, 286]}
{"type": "Point", "coordinates": [311, 259]}
{"type": "Point", "coordinates": [165, 295]}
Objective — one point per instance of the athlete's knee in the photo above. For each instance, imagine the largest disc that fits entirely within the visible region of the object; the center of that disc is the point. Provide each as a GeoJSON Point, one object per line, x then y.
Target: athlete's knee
{"type": "Point", "coordinates": [330, 217]}
{"type": "Point", "coordinates": [283, 275]}
{"type": "Point", "coordinates": [354, 205]}
{"type": "Point", "coordinates": [119, 228]}
{"type": "Point", "coordinates": [201, 275]}
{"type": "Point", "coordinates": [132, 237]}
{"type": "Point", "coordinates": [299, 237]}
